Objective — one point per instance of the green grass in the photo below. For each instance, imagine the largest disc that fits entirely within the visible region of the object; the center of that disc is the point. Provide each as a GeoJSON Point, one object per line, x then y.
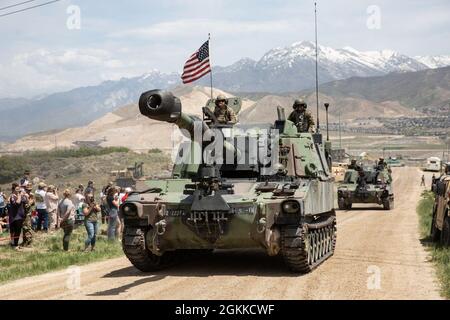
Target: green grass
{"type": "Point", "coordinates": [47, 254]}
{"type": "Point", "coordinates": [441, 255]}
{"type": "Point", "coordinates": [75, 152]}
{"type": "Point", "coordinates": [12, 167]}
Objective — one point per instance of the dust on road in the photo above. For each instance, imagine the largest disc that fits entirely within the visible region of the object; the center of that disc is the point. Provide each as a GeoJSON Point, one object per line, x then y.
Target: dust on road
{"type": "Point", "coordinates": [378, 256]}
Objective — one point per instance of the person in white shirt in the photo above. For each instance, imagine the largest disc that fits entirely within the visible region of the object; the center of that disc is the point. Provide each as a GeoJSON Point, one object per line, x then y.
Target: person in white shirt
{"type": "Point", "coordinates": [51, 202]}
{"type": "Point", "coordinates": [78, 198]}
{"type": "Point", "coordinates": [41, 208]}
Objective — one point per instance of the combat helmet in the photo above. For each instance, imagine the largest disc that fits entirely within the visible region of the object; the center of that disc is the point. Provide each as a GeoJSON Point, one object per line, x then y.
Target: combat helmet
{"type": "Point", "coordinates": [300, 103]}
{"type": "Point", "coordinates": [219, 98]}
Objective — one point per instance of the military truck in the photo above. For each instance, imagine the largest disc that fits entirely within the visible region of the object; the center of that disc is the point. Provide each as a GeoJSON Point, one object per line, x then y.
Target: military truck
{"type": "Point", "coordinates": [262, 186]}
{"type": "Point", "coordinates": [367, 185]}
{"type": "Point", "coordinates": [129, 176]}
{"type": "Point", "coordinates": [440, 225]}
{"type": "Point", "coordinates": [394, 162]}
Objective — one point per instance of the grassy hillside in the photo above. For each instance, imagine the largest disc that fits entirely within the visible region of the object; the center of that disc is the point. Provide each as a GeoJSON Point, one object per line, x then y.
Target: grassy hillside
{"type": "Point", "coordinates": [70, 167]}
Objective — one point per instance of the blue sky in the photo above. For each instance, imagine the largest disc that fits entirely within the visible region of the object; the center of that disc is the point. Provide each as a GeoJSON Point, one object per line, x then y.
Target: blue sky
{"type": "Point", "coordinates": [39, 54]}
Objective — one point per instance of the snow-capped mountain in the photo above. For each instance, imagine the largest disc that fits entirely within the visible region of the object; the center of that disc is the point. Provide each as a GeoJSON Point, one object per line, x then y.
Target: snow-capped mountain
{"type": "Point", "coordinates": [292, 68]}
{"type": "Point", "coordinates": [344, 61]}
{"type": "Point", "coordinates": [434, 62]}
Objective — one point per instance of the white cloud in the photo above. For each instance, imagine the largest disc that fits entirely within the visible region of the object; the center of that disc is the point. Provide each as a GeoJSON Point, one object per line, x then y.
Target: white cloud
{"type": "Point", "coordinates": [192, 27]}
{"type": "Point", "coordinates": [44, 71]}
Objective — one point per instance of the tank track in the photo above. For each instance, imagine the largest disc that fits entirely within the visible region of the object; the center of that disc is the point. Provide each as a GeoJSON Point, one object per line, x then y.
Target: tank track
{"type": "Point", "coordinates": [133, 244]}
{"type": "Point", "coordinates": [305, 247]}
{"type": "Point", "coordinates": [134, 247]}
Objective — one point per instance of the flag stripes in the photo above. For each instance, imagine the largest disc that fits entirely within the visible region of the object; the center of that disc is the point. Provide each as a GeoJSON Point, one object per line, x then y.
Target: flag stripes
{"type": "Point", "coordinates": [197, 65]}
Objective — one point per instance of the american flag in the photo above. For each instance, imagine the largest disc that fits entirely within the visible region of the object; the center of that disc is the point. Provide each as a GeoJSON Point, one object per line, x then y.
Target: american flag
{"type": "Point", "coordinates": [197, 65]}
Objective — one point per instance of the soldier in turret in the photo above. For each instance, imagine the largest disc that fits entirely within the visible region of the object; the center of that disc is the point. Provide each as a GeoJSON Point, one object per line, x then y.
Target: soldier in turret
{"type": "Point", "coordinates": [223, 113]}
{"type": "Point", "coordinates": [381, 165]}
{"type": "Point", "coordinates": [353, 165]}
{"type": "Point", "coordinates": [302, 119]}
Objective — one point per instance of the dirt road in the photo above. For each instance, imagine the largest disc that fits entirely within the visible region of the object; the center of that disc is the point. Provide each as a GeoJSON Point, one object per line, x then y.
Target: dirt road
{"type": "Point", "coordinates": [378, 256]}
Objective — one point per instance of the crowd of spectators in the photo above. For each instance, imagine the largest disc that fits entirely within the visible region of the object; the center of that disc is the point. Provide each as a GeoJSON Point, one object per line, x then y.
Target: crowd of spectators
{"type": "Point", "coordinates": [25, 212]}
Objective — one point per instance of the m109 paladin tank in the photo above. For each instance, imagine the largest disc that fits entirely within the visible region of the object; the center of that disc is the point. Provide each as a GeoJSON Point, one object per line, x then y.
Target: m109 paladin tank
{"type": "Point", "coordinates": [261, 186]}
{"type": "Point", "coordinates": [366, 185]}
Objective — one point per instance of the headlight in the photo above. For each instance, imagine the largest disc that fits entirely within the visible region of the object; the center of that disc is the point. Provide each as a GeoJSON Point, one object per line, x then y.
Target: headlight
{"type": "Point", "coordinates": [291, 207]}
{"type": "Point", "coordinates": [129, 210]}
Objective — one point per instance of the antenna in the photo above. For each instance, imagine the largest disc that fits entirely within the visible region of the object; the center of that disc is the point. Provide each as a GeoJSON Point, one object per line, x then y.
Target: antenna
{"type": "Point", "coordinates": [327, 105]}
{"type": "Point", "coordinates": [317, 69]}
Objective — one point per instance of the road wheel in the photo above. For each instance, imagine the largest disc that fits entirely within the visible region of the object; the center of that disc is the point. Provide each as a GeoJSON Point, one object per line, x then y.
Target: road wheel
{"type": "Point", "coordinates": [341, 204]}
{"type": "Point", "coordinates": [445, 235]}
{"type": "Point", "coordinates": [304, 249]}
{"type": "Point", "coordinates": [386, 204]}
{"type": "Point", "coordinates": [435, 233]}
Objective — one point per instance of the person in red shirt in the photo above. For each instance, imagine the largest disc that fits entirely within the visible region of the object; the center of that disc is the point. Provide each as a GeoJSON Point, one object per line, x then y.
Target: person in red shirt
{"type": "Point", "coordinates": [127, 193]}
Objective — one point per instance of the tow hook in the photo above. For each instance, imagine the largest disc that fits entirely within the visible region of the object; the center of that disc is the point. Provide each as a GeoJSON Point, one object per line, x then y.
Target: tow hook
{"type": "Point", "coordinates": [261, 226]}
{"type": "Point", "coordinates": [160, 229]}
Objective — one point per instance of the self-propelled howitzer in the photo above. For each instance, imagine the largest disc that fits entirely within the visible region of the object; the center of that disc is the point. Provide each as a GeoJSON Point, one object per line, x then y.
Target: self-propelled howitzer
{"type": "Point", "coordinates": [261, 186]}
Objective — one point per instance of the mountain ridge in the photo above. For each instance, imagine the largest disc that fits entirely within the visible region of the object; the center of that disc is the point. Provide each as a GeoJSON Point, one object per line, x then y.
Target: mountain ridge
{"type": "Point", "coordinates": [284, 69]}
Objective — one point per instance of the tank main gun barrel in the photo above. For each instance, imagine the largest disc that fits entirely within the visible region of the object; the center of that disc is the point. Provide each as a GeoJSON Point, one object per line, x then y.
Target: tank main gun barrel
{"type": "Point", "coordinates": [164, 106]}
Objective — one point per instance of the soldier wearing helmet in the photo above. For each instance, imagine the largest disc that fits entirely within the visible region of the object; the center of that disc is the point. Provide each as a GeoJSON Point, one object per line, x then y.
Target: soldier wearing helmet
{"type": "Point", "coordinates": [381, 165]}
{"type": "Point", "coordinates": [302, 119]}
{"type": "Point", "coordinates": [223, 113]}
{"type": "Point", "coordinates": [354, 165]}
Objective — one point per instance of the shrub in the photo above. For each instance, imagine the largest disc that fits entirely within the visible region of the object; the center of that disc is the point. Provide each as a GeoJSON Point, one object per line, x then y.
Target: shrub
{"type": "Point", "coordinates": [11, 168]}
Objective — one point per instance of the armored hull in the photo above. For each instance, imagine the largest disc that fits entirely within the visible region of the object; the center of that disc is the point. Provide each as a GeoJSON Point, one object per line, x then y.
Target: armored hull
{"type": "Point", "coordinates": [367, 186]}
{"type": "Point", "coordinates": [278, 197]}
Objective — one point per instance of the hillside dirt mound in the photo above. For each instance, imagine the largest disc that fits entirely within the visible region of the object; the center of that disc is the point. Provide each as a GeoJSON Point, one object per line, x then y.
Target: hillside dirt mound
{"type": "Point", "coordinates": [125, 126]}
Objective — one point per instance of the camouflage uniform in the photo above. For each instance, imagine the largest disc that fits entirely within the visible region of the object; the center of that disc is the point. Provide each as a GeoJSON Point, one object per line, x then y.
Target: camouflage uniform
{"type": "Point", "coordinates": [352, 166]}
{"type": "Point", "coordinates": [303, 120]}
{"type": "Point", "coordinates": [27, 229]}
{"type": "Point", "coordinates": [225, 115]}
